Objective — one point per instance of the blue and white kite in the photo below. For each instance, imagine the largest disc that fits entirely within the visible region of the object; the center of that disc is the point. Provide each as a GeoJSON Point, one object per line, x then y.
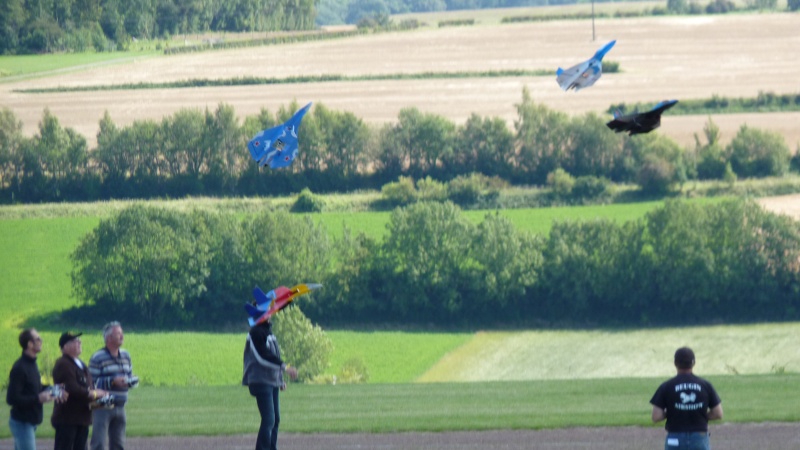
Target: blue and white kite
{"type": "Point", "coordinates": [276, 147]}
{"type": "Point", "coordinates": [584, 74]}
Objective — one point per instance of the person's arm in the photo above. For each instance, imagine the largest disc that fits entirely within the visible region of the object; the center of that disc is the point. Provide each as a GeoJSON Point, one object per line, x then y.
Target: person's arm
{"type": "Point", "coordinates": [658, 414]}
{"type": "Point", "coordinates": [64, 372]}
{"type": "Point", "coordinates": [258, 342]}
{"type": "Point", "coordinates": [96, 370]}
{"type": "Point", "coordinates": [715, 413]}
{"type": "Point", "coordinates": [15, 396]}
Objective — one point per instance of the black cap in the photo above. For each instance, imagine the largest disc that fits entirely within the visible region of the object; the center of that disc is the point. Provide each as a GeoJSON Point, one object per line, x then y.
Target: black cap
{"type": "Point", "coordinates": [684, 358]}
{"type": "Point", "coordinates": [66, 337]}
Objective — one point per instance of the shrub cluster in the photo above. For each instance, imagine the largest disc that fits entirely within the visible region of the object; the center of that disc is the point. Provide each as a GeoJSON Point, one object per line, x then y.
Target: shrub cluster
{"type": "Point", "coordinates": [682, 264]}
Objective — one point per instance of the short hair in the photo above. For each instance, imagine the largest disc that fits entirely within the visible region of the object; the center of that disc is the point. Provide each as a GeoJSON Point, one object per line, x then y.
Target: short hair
{"type": "Point", "coordinates": [684, 358]}
{"type": "Point", "coordinates": [110, 326]}
{"type": "Point", "coordinates": [25, 337]}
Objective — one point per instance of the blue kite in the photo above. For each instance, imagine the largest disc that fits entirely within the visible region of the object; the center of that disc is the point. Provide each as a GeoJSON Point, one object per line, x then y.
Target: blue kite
{"type": "Point", "coordinates": [276, 147]}
{"type": "Point", "coordinates": [584, 74]}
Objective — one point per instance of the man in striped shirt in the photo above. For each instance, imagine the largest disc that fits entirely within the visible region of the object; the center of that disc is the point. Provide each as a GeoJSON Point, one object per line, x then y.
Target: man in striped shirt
{"type": "Point", "coordinates": [111, 371]}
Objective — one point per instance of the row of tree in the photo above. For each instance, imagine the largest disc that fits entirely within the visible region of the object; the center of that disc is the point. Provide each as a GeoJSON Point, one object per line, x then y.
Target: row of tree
{"type": "Point", "coordinates": [356, 11]}
{"type": "Point", "coordinates": [682, 264]}
{"type": "Point", "coordinates": [196, 152]}
{"type": "Point", "coordinates": [43, 26]}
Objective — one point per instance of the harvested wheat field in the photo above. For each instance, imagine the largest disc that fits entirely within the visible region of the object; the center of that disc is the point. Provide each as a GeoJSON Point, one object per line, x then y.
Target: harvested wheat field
{"type": "Point", "coordinates": [685, 57]}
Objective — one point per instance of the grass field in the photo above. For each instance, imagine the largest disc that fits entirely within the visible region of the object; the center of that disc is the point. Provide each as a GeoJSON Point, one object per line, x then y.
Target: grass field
{"type": "Point", "coordinates": [438, 406]}
{"type": "Point", "coordinates": [659, 57]}
{"type": "Point", "coordinates": [571, 354]}
{"type": "Point", "coordinates": [14, 68]}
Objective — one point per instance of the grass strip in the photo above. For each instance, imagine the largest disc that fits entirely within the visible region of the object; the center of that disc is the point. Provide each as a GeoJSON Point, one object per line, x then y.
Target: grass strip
{"type": "Point", "coordinates": [763, 102]}
{"type": "Point", "coordinates": [383, 408]}
{"type": "Point", "coordinates": [299, 79]}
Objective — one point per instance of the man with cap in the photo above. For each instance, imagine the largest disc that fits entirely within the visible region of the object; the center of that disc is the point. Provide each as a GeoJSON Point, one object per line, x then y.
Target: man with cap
{"type": "Point", "coordinates": [687, 402]}
{"type": "Point", "coordinates": [72, 418]}
{"type": "Point", "coordinates": [25, 393]}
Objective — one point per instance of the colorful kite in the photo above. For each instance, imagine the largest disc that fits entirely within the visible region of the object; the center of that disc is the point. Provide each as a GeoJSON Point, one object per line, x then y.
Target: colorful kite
{"type": "Point", "coordinates": [266, 305]}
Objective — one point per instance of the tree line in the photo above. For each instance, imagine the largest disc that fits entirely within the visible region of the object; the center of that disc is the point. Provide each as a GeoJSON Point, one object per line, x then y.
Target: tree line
{"type": "Point", "coordinates": [195, 152]}
{"type": "Point", "coordinates": [681, 264]}
{"type": "Point", "coordinates": [45, 26]}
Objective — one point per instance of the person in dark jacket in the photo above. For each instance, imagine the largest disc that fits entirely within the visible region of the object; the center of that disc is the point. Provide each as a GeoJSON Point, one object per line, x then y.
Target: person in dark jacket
{"type": "Point", "coordinates": [25, 392]}
{"type": "Point", "coordinates": [72, 418]}
{"type": "Point", "coordinates": [263, 375]}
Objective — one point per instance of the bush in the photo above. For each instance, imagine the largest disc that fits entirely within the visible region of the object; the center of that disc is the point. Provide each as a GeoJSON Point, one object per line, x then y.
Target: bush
{"type": "Point", "coordinates": [711, 162]}
{"type": "Point", "coordinates": [758, 153]}
{"type": "Point", "coordinates": [591, 188]}
{"type": "Point", "coordinates": [561, 182]}
{"type": "Point", "coordinates": [353, 371]}
{"type": "Point", "coordinates": [468, 190]}
{"type": "Point", "coordinates": [429, 189]}
{"type": "Point", "coordinates": [720, 7]}
{"type": "Point", "coordinates": [399, 193]}
{"type": "Point", "coordinates": [610, 67]}
{"type": "Point", "coordinates": [303, 345]}
{"type": "Point", "coordinates": [793, 5]}
{"type": "Point", "coordinates": [308, 202]}
{"type": "Point", "coordinates": [794, 163]}
{"type": "Point", "coordinates": [655, 175]}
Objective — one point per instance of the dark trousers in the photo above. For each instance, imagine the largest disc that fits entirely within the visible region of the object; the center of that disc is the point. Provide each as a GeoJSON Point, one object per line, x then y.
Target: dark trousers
{"type": "Point", "coordinates": [71, 437]}
{"type": "Point", "coordinates": [269, 408]}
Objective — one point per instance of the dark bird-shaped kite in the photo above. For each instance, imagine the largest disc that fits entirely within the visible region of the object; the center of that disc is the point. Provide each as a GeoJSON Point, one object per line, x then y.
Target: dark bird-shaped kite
{"type": "Point", "coordinates": [638, 123]}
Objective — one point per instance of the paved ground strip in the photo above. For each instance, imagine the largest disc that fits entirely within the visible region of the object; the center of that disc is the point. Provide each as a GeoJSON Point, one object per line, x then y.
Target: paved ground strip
{"type": "Point", "coordinates": [724, 436]}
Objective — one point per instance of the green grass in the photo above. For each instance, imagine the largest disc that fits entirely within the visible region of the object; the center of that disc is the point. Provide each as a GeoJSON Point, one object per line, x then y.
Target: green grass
{"type": "Point", "coordinates": [439, 406]}
{"type": "Point", "coordinates": [410, 354]}
{"type": "Point", "coordinates": [22, 66]}
{"type": "Point", "coordinates": [562, 354]}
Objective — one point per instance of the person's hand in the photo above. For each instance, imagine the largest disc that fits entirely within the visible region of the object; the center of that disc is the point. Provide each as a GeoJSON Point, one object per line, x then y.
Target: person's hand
{"type": "Point", "coordinates": [45, 396]}
{"type": "Point", "coordinates": [119, 382]}
{"type": "Point", "coordinates": [98, 393]}
{"type": "Point", "coordinates": [292, 372]}
{"type": "Point", "coordinates": [63, 398]}
{"type": "Point", "coordinates": [283, 386]}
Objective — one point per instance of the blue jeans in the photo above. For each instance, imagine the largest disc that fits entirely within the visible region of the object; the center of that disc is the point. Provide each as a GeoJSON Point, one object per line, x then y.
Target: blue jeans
{"type": "Point", "coordinates": [269, 408]}
{"type": "Point", "coordinates": [108, 424]}
{"type": "Point", "coordinates": [687, 441]}
{"type": "Point", "coordinates": [24, 434]}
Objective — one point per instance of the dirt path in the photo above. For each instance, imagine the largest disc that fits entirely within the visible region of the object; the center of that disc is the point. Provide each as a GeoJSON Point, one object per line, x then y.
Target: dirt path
{"type": "Point", "coordinates": [784, 204]}
{"type": "Point", "coordinates": [767, 436]}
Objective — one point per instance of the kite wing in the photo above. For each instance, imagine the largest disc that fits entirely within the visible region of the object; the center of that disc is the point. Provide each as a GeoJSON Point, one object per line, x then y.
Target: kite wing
{"type": "Point", "coordinates": [584, 74]}
{"type": "Point", "coordinates": [639, 123]}
{"type": "Point", "coordinates": [267, 305]}
{"type": "Point", "coordinates": [276, 147]}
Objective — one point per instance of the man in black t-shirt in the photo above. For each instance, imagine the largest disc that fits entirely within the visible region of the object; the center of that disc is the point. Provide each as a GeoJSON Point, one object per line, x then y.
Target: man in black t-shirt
{"type": "Point", "coordinates": [688, 402]}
